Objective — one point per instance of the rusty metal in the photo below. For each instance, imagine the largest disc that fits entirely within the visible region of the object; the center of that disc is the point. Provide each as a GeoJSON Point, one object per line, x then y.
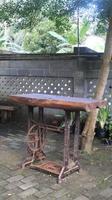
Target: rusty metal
{"type": "Point", "coordinates": [76, 136]}
{"type": "Point", "coordinates": [36, 144]}
{"type": "Point", "coordinates": [41, 114]}
{"type": "Point", "coordinates": [66, 153]}
{"type": "Point", "coordinates": [49, 127]}
{"type": "Point", "coordinates": [69, 163]}
{"type": "Point", "coordinates": [66, 138]}
{"type": "Point", "coordinates": [48, 166]}
{"type": "Point", "coordinates": [30, 116]}
{"type": "Point", "coordinates": [36, 138]}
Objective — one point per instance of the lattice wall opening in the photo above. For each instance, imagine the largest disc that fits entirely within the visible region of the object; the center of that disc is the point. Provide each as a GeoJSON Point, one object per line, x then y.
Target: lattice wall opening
{"type": "Point", "coordinates": [20, 85]}
{"type": "Point", "coordinates": [91, 87]}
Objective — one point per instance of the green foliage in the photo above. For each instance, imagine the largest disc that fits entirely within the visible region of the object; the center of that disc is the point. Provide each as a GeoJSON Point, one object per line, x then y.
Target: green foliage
{"type": "Point", "coordinates": [69, 38]}
{"type": "Point", "coordinates": [38, 40]}
{"type": "Point", "coordinates": [7, 11]}
{"type": "Point", "coordinates": [103, 116]}
{"type": "Point", "coordinates": [22, 12]}
{"type": "Point", "coordinates": [104, 8]}
{"type": "Point", "coordinates": [29, 15]}
{"type": "Point", "coordinates": [110, 129]}
{"type": "Point", "coordinates": [57, 36]}
{"type": "Point", "coordinates": [26, 12]}
{"type": "Point", "coordinates": [11, 40]}
{"type": "Point", "coordinates": [102, 27]}
{"type": "Point", "coordinates": [85, 25]}
{"type": "Point", "coordinates": [64, 46]}
{"type": "Point", "coordinates": [62, 23]}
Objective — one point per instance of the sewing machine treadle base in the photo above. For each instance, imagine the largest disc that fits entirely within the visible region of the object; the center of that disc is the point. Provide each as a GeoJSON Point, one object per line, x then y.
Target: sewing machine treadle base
{"type": "Point", "coordinates": [54, 168]}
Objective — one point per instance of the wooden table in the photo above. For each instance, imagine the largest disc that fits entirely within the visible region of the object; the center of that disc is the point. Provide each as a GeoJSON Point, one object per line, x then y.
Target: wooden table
{"type": "Point", "coordinates": [36, 136]}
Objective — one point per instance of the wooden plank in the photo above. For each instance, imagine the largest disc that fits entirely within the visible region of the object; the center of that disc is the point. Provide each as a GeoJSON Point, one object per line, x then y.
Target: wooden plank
{"type": "Point", "coordinates": [60, 102]}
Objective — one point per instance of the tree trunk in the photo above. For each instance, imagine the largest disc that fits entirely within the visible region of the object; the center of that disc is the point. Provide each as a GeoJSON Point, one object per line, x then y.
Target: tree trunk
{"type": "Point", "coordinates": [88, 132]}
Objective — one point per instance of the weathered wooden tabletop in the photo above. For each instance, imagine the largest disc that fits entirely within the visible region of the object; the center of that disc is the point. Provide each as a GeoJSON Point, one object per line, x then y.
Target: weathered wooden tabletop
{"type": "Point", "coordinates": [60, 102]}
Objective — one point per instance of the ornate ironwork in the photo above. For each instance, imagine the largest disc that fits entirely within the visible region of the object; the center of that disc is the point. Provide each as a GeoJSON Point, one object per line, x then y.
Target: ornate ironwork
{"type": "Point", "coordinates": [36, 139]}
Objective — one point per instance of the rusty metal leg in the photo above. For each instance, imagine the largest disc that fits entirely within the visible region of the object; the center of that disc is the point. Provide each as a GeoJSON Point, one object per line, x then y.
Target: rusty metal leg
{"type": "Point", "coordinates": [29, 158]}
{"type": "Point", "coordinates": [41, 114]}
{"type": "Point", "coordinates": [35, 138]}
{"type": "Point", "coordinates": [66, 146]}
{"type": "Point", "coordinates": [76, 138]}
{"type": "Point", "coordinates": [30, 116]}
{"type": "Point", "coordinates": [66, 139]}
{"type": "Point", "coordinates": [42, 135]}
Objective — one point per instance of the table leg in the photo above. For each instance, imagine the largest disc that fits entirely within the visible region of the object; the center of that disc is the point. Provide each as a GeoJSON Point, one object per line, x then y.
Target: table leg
{"type": "Point", "coordinates": [66, 139]}
{"type": "Point", "coordinates": [76, 137]}
{"type": "Point", "coordinates": [28, 159]}
{"type": "Point", "coordinates": [41, 114]}
{"type": "Point", "coordinates": [30, 116]}
{"type": "Point", "coordinates": [40, 155]}
{"type": "Point", "coordinates": [66, 146]}
{"type": "Point", "coordinates": [70, 164]}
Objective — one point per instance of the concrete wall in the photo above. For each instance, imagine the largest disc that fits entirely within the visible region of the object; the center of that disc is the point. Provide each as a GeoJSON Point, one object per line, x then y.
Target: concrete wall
{"type": "Point", "coordinates": [91, 77]}
{"type": "Point", "coordinates": [64, 74]}
{"type": "Point", "coordinates": [23, 73]}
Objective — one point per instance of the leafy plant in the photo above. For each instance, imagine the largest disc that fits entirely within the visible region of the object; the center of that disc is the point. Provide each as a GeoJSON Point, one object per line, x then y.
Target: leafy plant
{"type": "Point", "coordinates": [110, 130]}
{"type": "Point", "coordinates": [69, 38]}
{"type": "Point", "coordinates": [11, 40]}
{"type": "Point", "coordinates": [108, 126]}
{"type": "Point", "coordinates": [105, 121]}
{"type": "Point", "coordinates": [37, 40]}
{"type": "Point", "coordinates": [103, 116]}
{"type": "Point", "coordinates": [64, 45]}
